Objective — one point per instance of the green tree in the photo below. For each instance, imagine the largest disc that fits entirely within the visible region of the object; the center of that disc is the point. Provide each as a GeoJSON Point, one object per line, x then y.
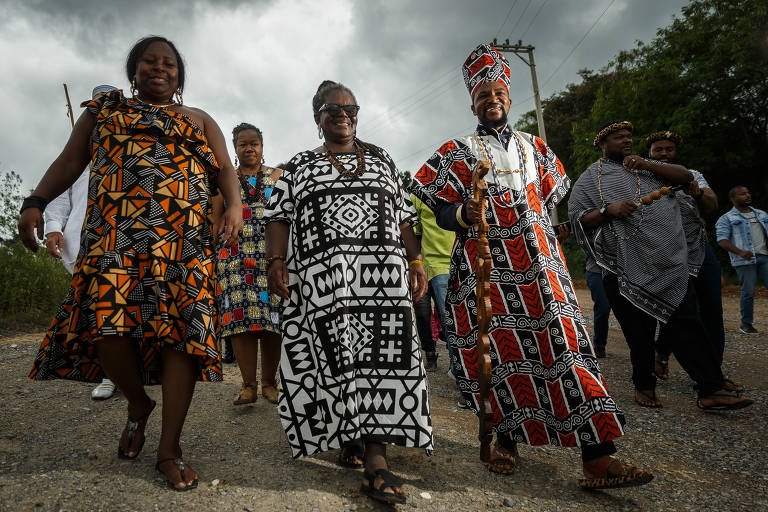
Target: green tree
{"type": "Point", "coordinates": [704, 76]}
{"type": "Point", "coordinates": [10, 202]}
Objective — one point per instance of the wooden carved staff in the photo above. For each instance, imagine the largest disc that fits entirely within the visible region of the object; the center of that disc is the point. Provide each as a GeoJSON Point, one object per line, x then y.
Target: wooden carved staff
{"type": "Point", "coordinates": [484, 312]}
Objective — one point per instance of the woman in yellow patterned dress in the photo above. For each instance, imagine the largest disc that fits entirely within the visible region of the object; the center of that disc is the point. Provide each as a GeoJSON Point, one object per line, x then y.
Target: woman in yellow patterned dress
{"type": "Point", "coordinates": [141, 307]}
{"type": "Point", "coordinates": [250, 315]}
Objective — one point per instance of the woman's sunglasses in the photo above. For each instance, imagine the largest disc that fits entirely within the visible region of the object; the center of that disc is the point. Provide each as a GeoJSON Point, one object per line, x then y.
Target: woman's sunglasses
{"type": "Point", "coordinates": [335, 109]}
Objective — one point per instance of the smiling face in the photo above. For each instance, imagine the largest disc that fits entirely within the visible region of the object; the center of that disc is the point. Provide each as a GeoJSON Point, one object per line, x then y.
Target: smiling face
{"type": "Point", "coordinates": [337, 128]}
{"type": "Point", "coordinates": [491, 105]}
{"type": "Point", "coordinates": [617, 145]}
{"type": "Point", "coordinates": [248, 148]}
{"type": "Point", "coordinates": [663, 150]}
{"type": "Point", "coordinates": [157, 73]}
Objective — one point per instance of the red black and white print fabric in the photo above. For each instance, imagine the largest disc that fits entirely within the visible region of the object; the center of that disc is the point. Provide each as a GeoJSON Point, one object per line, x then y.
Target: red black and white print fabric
{"type": "Point", "coordinates": [546, 386]}
{"type": "Point", "coordinates": [485, 64]}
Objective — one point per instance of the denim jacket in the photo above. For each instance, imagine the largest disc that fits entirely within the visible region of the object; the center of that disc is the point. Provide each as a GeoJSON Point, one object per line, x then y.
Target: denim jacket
{"type": "Point", "coordinates": [734, 227]}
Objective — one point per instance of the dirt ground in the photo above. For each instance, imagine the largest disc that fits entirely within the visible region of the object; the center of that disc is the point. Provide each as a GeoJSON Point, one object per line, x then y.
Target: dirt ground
{"type": "Point", "coordinates": [57, 448]}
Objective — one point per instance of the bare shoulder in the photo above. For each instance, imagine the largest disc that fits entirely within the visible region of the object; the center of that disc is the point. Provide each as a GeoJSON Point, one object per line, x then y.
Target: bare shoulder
{"type": "Point", "coordinates": [198, 115]}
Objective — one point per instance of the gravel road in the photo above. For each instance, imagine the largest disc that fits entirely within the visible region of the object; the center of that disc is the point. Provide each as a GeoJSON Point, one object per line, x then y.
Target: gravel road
{"type": "Point", "coordinates": [57, 448]}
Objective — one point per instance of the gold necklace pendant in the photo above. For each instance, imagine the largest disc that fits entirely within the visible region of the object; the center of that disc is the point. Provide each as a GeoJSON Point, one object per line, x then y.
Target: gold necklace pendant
{"type": "Point", "coordinates": [155, 105]}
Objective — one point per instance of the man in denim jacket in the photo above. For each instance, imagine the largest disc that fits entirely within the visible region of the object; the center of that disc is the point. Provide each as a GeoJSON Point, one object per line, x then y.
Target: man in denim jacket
{"type": "Point", "coordinates": [743, 232]}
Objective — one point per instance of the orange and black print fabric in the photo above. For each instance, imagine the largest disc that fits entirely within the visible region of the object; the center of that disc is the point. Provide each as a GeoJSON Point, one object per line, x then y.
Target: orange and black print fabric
{"type": "Point", "coordinates": [145, 269]}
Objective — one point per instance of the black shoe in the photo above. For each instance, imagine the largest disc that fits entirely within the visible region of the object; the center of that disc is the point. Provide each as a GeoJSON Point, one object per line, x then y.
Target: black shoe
{"type": "Point", "coordinates": [430, 361]}
{"type": "Point", "coordinates": [229, 354]}
{"type": "Point", "coordinates": [747, 329]}
{"type": "Point", "coordinates": [600, 352]}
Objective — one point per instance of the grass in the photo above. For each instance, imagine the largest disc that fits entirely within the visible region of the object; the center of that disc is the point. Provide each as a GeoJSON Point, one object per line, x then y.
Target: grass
{"type": "Point", "coordinates": [33, 287]}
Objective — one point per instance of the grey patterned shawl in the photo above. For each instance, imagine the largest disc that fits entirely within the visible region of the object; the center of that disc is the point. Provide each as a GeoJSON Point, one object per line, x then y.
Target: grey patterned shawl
{"type": "Point", "coordinates": [647, 251]}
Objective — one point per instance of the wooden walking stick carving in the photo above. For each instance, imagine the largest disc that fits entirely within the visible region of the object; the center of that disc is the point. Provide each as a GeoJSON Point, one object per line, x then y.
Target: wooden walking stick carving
{"type": "Point", "coordinates": [484, 312]}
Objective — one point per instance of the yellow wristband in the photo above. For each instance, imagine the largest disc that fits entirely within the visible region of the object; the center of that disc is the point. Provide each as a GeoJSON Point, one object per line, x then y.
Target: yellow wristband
{"type": "Point", "coordinates": [416, 262]}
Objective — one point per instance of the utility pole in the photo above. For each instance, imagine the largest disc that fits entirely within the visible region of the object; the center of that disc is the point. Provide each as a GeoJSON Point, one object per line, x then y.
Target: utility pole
{"type": "Point", "coordinates": [519, 49]}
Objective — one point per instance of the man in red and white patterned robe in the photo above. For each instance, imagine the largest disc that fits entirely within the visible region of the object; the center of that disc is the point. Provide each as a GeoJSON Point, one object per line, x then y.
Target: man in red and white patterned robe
{"type": "Point", "coordinates": [546, 386]}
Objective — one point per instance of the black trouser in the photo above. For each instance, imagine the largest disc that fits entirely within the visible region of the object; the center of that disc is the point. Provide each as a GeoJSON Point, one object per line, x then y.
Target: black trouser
{"type": "Point", "coordinates": [710, 300]}
{"type": "Point", "coordinates": [588, 451]}
{"type": "Point", "coordinates": [684, 327]}
{"type": "Point", "coordinates": [423, 312]}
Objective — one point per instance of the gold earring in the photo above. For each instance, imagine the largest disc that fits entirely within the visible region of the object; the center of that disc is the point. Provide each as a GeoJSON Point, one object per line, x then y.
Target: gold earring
{"type": "Point", "coordinates": [179, 100]}
{"type": "Point", "coordinates": [133, 87]}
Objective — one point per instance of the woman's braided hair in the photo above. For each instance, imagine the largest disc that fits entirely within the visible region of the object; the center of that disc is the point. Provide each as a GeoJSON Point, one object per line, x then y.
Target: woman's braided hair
{"type": "Point", "coordinates": [236, 131]}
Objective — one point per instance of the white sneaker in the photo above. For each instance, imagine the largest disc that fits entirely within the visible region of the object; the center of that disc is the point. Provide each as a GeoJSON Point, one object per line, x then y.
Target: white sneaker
{"type": "Point", "coordinates": [104, 390]}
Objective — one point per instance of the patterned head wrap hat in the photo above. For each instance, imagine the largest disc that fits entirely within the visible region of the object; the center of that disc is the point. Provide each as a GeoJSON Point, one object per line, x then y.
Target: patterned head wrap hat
{"type": "Point", "coordinates": [665, 135]}
{"type": "Point", "coordinates": [102, 88]}
{"type": "Point", "coordinates": [484, 65]}
{"type": "Point", "coordinates": [611, 127]}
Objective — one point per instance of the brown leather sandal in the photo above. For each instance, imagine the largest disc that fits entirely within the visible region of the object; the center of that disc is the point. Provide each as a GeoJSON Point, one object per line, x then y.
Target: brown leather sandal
{"type": "Point", "coordinates": [270, 392]}
{"type": "Point", "coordinates": [502, 461]}
{"type": "Point", "coordinates": [248, 394]}
{"type": "Point", "coordinates": [610, 473]}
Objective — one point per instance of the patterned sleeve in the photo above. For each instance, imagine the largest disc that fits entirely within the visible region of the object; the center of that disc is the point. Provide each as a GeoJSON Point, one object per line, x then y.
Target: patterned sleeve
{"type": "Point", "coordinates": [554, 182]}
{"type": "Point", "coordinates": [406, 213]}
{"type": "Point", "coordinates": [446, 178]}
{"type": "Point", "coordinates": [700, 179]}
{"type": "Point", "coordinates": [282, 203]}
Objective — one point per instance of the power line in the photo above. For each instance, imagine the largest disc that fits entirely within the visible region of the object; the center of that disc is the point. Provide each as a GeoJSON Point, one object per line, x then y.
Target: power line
{"type": "Point", "coordinates": [435, 144]}
{"type": "Point", "coordinates": [401, 105]}
{"type": "Point", "coordinates": [418, 103]}
{"type": "Point", "coordinates": [533, 19]}
{"type": "Point", "coordinates": [519, 19]}
{"type": "Point", "coordinates": [577, 44]}
{"type": "Point", "coordinates": [505, 19]}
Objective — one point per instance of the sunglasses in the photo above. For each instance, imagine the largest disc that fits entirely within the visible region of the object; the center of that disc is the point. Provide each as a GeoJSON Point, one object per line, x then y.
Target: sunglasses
{"type": "Point", "coordinates": [335, 109]}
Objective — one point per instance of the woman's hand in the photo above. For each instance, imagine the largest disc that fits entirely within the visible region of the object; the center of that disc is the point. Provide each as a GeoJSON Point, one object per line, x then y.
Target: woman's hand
{"type": "Point", "coordinates": [418, 279]}
{"type": "Point", "coordinates": [229, 226]}
{"type": "Point", "coordinates": [277, 278]}
{"type": "Point", "coordinates": [31, 220]}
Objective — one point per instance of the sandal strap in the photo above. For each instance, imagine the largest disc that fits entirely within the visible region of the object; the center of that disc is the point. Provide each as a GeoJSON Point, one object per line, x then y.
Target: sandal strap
{"type": "Point", "coordinates": [132, 426]}
{"type": "Point", "coordinates": [601, 467]}
{"type": "Point", "coordinates": [390, 480]}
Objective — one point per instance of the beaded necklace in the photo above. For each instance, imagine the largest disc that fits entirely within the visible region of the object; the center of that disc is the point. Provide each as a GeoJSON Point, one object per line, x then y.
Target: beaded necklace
{"type": "Point", "coordinates": [347, 173]}
{"type": "Point", "coordinates": [521, 157]}
{"type": "Point", "coordinates": [251, 189]}
{"type": "Point", "coordinates": [634, 200]}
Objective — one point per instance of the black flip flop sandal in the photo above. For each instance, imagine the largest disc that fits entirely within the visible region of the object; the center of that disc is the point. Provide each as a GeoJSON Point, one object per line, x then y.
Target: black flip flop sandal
{"type": "Point", "coordinates": [390, 480]}
{"type": "Point", "coordinates": [351, 449]}
{"type": "Point", "coordinates": [132, 427]}
{"type": "Point", "coordinates": [180, 465]}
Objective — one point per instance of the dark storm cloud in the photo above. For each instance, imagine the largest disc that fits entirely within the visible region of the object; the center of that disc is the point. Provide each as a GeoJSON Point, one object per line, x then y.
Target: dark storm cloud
{"type": "Point", "coordinates": [261, 61]}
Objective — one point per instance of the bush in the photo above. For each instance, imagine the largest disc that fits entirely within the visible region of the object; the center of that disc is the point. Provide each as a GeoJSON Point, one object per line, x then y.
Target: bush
{"type": "Point", "coordinates": [34, 285]}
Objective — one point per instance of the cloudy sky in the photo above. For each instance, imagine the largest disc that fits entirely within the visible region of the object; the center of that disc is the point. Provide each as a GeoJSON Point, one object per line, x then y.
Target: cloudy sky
{"type": "Point", "coordinates": [261, 61]}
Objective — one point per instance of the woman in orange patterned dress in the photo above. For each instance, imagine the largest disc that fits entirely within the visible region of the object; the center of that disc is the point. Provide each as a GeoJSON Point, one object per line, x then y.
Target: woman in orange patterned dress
{"type": "Point", "coordinates": [141, 308]}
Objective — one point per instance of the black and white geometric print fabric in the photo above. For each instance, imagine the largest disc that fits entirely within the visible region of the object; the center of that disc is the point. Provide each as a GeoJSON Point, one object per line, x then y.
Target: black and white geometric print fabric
{"type": "Point", "coordinates": [350, 364]}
